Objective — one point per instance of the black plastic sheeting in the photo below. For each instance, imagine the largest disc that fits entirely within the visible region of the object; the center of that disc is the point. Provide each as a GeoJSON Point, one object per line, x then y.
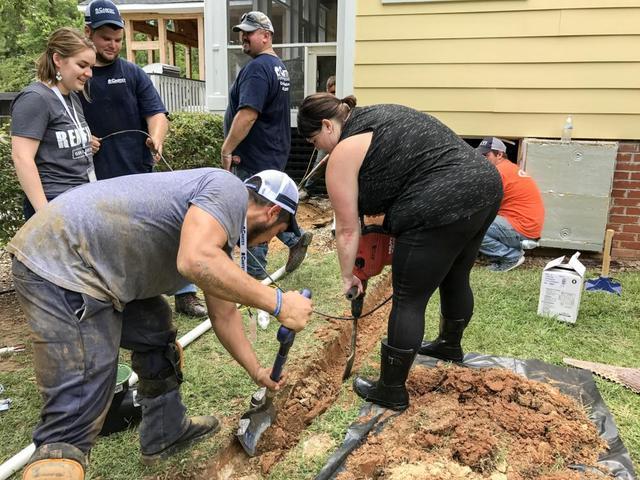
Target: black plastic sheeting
{"type": "Point", "coordinates": [576, 383]}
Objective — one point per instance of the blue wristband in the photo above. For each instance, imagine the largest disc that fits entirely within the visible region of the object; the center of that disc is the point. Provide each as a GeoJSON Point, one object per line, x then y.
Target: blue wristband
{"type": "Point", "coordinates": [276, 312]}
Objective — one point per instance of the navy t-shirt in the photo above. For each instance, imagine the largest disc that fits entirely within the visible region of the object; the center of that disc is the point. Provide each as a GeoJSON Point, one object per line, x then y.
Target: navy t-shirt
{"type": "Point", "coordinates": [262, 84]}
{"type": "Point", "coordinates": [122, 95]}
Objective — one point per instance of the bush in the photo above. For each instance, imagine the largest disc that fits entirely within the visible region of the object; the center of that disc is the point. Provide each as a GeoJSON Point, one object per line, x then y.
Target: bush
{"type": "Point", "coordinates": [11, 216]}
{"type": "Point", "coordinates": [194, 141]}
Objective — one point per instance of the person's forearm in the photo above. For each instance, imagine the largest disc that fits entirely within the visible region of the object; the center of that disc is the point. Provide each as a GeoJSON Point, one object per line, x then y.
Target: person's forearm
{"type": "Point", "coordinates": [30, 182]}
{"type": "Point", "coordinates": [240, 128]}
{"type": "Point", "coordinates": [217, 275]}
{"type": "Point", "coordinates": [158, 126]}
{"type": "Point", "coordinates": [228, 328]}
{"type": "Point", "coordinates": [347, 240]}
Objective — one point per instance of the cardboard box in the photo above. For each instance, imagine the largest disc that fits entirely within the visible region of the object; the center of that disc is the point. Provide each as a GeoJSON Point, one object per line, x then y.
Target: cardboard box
{"type": "Point", "coordinates": [561, 289]}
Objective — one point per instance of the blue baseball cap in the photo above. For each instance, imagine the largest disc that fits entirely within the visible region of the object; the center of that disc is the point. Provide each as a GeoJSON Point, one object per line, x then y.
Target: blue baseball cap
{"type": "Point", "coordinates": [102, 12]}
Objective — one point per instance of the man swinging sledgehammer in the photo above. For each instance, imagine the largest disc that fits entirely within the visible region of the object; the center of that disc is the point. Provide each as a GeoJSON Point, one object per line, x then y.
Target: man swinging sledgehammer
{"type": "Point", "coordinates": [90, 270]}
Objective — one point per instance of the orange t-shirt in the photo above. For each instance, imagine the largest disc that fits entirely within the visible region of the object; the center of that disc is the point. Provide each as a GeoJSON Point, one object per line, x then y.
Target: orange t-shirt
{"type": "Point", "coordinates": [522, 203]}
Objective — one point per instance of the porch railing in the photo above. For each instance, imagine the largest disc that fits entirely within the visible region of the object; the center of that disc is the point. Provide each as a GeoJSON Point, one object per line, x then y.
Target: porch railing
{"type": "Point", "coordinates": [180, 94]}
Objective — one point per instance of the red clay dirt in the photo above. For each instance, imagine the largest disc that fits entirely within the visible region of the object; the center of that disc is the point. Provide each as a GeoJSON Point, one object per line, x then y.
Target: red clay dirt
{"type": "Point", "coordinates": [311, 390]}
{"type": "Point", "coordinates": [493, 424]}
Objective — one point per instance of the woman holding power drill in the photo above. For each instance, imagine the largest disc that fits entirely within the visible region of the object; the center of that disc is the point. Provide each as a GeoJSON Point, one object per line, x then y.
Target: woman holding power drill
{"type": "Point", "coordinates": [438, 196]}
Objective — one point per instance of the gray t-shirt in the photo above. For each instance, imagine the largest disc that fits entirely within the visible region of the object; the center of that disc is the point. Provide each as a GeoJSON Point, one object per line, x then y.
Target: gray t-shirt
{"type": "Point", "coordinates": [118, 239]}
{"type": "Point", "coordinates": [64, 153]}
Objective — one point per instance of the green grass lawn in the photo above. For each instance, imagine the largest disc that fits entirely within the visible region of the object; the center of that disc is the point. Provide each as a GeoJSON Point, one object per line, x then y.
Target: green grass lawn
{"type": "Point", "coordinates": [505, 323]}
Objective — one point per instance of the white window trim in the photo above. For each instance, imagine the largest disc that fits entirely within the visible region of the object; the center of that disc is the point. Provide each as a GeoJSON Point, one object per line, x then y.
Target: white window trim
{"type": "Point", "coordinates": [346, 49]}
{"type": "Point", "coordinates": [215, 46]}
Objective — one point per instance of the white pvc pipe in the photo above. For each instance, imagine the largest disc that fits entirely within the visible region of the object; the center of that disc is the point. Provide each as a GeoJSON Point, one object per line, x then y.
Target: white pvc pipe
{"type": "Point", "coordinates": [274, 276]}
{"type": "Point", "coordinates": [21, 458]}
{"type": "Point", "coordinates": [16, 462]}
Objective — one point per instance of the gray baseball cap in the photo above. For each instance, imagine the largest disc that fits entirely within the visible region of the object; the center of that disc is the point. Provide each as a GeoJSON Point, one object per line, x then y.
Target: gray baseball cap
{"type": "Point", "coordinates": [491, 143]}
{"type": "Point", "coordinates": [252, 21]}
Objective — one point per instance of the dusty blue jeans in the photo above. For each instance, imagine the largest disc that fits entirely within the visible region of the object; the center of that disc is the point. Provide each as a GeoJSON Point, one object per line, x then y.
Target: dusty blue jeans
{"type": "Point", "coordinates": [76, 345]}
{"type": "Point", "coordinates": [501, 243]}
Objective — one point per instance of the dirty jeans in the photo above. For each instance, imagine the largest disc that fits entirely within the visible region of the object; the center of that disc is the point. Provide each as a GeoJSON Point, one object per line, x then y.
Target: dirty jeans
{"type": "Point", "coordinates": [76, 341]}
{"type": "Point", "coordinates": [257, 258]}
{"type": "Point", "coordinates": [502, 243]}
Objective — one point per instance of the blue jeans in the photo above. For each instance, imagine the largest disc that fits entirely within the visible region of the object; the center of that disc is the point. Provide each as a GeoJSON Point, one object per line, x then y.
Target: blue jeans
{"type": "Point", "coordinates": [257, 258]}
{"type": "Point", "coordinates": [191, 288]}
{"type": "Point", "coordinates": [76, 346]}
{"type": "Point", "coordinates": [501, 243]}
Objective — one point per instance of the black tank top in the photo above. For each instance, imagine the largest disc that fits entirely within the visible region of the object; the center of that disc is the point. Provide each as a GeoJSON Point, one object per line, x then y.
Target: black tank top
{"type": "Point", "coordinates": [417, 171]}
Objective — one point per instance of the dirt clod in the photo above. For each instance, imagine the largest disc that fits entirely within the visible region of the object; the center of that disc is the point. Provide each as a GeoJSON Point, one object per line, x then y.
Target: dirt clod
{"type": "Point", "coordinates": [479, 424]}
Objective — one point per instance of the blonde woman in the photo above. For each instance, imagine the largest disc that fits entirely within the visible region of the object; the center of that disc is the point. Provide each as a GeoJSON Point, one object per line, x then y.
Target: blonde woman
{"type": "Point", "coordinates": [51, 142]}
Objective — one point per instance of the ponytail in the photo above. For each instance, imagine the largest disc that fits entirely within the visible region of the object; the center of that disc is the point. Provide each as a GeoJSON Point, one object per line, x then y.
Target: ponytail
{"type": "Point", "coordinates": [321, 106]}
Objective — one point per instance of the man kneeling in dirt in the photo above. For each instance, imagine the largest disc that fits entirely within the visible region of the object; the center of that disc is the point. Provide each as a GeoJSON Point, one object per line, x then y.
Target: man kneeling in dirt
{"type": "Point", "coordinates": [90, 270]}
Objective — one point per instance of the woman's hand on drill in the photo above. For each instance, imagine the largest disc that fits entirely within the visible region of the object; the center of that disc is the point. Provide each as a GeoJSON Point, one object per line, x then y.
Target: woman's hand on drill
{"type": "Point", "coordinates": [296, 311]}
{"type": "Point", "coordinates": [351, 281]}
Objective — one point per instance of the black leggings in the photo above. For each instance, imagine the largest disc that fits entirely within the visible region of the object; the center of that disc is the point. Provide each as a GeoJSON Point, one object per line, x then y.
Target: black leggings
{"type": "Point", "coordinates": [439, 257]}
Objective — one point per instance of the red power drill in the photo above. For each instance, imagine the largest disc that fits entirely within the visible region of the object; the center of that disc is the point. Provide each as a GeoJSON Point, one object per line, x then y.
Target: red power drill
{"type": "Point", "coordinates": [375, 250]}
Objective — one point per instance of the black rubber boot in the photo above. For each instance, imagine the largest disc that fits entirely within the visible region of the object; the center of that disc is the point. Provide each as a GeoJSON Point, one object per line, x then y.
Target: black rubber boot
{"type": "Point", "coordinates": [389, 390]}
{"type": "Point", "coordinates": [447, 345]}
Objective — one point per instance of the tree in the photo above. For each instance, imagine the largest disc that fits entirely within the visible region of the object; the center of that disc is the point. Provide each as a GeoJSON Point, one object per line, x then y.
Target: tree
{"type": "Point", "coordinates": [24, 30]}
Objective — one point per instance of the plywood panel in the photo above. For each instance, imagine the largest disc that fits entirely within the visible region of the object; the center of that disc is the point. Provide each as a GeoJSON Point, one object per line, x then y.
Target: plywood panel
{"type": "Point", "coordinates": [496, 75]}
{"type": "Point", "coordinates": [557, 166]}
{"type": "Point", "coordinates": [512, 100]}
{"type": "Point", "coordinates": [575, 181]}
{"type": "Point", "coordinates": [574, 221]}
{"type": "Point", "coordinates": [506, 50]}
{"type": "Point", "coordinates": [376, 7]}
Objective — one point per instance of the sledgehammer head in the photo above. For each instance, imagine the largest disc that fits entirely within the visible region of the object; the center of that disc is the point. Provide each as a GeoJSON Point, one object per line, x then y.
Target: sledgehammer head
{"type": "Point", "coordinates": [256, 420]}
{"type": "Point", "coordinates": [262, 413]}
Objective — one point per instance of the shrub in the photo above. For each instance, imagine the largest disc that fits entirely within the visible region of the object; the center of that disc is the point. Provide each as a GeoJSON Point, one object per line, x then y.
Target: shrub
{"type": "Point", "coordinates": [11, 216]}
{"type": "Point", "coordinates": [194, 141]}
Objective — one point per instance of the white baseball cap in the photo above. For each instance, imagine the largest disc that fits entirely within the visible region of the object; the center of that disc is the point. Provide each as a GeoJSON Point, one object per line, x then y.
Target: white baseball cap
{"type": "Point", "coordinates": [279, 189]}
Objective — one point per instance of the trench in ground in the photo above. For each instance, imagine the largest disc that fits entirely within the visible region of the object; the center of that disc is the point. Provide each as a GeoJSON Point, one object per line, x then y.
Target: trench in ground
{"type": "Point", "coordinates": [312, 389]}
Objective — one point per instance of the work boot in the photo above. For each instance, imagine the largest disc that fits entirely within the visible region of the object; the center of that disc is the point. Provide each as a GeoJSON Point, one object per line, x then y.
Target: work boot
{"type": "Point", "coordinates": [199, 428]}
{"type": "Point", "coordinates": [389, 390]}
{"type": "Point", "coordinates": [189, 304]}
{"type": "Point", "coordinates": [54, 461]}
{"type": "Point", "coordinates": [447, 345]}
{"type": "Point", "coordinates": [298, 252]}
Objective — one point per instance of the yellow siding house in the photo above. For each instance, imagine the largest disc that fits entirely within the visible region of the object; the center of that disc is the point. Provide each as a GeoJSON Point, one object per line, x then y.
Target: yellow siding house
{"type": "Point", "coordinates": [510, 68]}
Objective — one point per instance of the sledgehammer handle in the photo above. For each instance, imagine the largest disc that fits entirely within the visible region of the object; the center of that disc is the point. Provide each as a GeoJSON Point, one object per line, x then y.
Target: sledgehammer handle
{"type": "Point", "coordinates": [285, 337]}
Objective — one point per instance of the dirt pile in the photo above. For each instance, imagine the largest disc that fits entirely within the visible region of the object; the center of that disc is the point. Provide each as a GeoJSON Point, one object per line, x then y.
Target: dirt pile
{"type": "Point", "coordinates": [480, 424]}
